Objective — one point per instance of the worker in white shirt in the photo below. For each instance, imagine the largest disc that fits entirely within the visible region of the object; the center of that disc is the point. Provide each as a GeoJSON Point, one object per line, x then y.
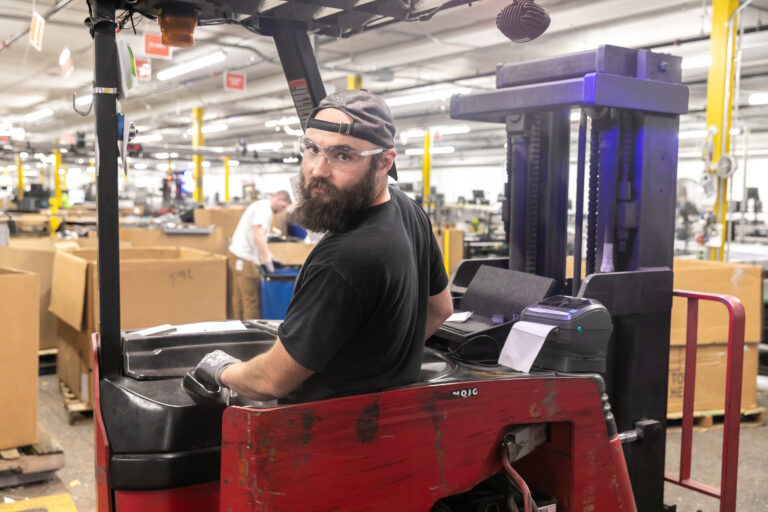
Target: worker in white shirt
{"type": "Point", "coordinates": [248, 254]}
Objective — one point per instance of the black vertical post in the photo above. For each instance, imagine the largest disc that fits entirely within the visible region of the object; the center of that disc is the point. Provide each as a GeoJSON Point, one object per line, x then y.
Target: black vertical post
{"type": "Point", "coordinates": [299, 64]}
{"type": "Point", "coordinates": [552, 220]}
{"type": "Point", "coordinates": [579, 226]}
{"type": "Point", "coordinates": [106, 80]}
{"type": "Point", "coordinates": [517, 186]}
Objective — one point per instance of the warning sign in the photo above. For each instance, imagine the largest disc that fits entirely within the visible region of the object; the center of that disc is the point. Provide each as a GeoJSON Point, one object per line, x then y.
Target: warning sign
{"type": "Point", "coordinates": [234, 81]}
{"type": "Point", "coordinates": [36, 27]}
{"type": "Point", "coordinates": [154, 47]}
{"type": "Point", "coordinates": [144, 70]}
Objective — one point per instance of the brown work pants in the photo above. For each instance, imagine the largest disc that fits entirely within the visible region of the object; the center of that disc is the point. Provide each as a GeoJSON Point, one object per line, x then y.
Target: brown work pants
{"type": "Point", "coordinates": [244, 289]}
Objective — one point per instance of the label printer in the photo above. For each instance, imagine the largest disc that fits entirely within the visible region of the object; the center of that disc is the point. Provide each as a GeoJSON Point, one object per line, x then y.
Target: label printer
{"type": "Point", "coordinates": [579, 342]}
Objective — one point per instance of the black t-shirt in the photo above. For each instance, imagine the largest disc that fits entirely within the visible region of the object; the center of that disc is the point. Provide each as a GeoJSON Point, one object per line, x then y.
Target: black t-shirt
{"type": "Point", "coordinates": [359, 308]}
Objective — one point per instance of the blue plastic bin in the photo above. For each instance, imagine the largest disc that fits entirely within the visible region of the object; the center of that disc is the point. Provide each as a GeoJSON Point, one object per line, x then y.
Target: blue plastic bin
{"type": "Point", "coordinates": [276, 292]}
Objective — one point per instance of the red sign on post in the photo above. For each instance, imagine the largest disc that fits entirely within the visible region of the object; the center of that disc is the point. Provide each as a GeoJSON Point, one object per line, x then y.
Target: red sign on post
{"type": "Point", "coordinates": [144, 70]}
{"type": "Point", "coordinates": [234, 81]}
{"type": "Point", "coordinates": [153, 46]}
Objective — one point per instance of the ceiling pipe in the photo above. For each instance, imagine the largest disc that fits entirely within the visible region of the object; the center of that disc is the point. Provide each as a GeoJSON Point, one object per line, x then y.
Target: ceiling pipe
{"type": "Point", "coordinates": [63, 4]}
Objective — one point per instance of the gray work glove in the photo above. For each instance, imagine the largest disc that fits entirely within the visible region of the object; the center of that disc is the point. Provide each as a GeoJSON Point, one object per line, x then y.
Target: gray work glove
{"type": "Point", "coordinates": [208, 370]}
{"type": "Point", "coordinates": [269, 267]}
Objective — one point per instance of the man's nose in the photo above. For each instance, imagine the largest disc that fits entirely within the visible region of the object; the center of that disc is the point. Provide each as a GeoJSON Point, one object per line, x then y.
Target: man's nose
{"type": "Point", "coordinates": [321, 168]}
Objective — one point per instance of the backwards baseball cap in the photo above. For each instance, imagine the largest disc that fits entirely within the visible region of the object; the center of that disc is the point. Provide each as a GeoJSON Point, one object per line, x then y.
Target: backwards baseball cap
{"type": "Point", "coordinates": [371, 118]}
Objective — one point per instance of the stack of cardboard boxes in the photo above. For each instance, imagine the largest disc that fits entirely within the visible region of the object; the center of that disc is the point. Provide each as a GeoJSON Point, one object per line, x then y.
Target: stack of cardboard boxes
{"type": "Point", "coordinates": [744, 282]}
{"type": "Point", "coordinates": [158, 285]}
{"type": "Point", "coordinates": [19, 305]}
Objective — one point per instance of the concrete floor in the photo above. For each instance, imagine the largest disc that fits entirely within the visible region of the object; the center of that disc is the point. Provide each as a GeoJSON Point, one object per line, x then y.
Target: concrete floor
{"type": "Point", "coordinates": [76, 478]}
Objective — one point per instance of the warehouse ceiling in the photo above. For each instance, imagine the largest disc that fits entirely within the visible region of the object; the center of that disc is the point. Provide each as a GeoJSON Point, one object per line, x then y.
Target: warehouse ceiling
{"type": "Point", "coordinates": [415, 65]}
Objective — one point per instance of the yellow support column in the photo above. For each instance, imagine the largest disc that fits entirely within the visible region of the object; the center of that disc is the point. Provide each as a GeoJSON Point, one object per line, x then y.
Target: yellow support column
{"type": "Point", "coordinates": [354, 81]}
{"type": "Point", "coordinates": [20, 174]}
{"type": "Point", "coordinates": [54, 220]}
{"type": "Point", "coordinates": [720, 100]}
{"type": "Point", "coordinates": [426, 167]}
{"type": "Point", "coordinates": [198, 142]}
{"type": "Point", "coordinates": [226, 179]}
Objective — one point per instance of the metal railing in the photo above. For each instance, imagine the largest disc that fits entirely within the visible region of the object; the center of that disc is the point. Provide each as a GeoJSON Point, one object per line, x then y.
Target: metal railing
{"type": "Point", "coordinates": [735, 362]}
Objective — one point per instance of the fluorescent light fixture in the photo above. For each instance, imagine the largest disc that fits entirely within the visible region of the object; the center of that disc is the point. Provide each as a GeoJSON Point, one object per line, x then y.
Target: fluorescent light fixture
{"type": "Point", "coordinates": [214, 128]}
{"type": "Point", "coordinates": [161, 156]}
{"type": "Point", "coordinates": [234, 163]}
{"type": "Point", "coordinates": [162, 167]}
{"type": "Point", "coordinates": [155, 137]}
{"type": "Point", "coordinates": [265, 146]}
{"type": "Point", "coordinates": [282, 121]}
{"type": "Point", "coordinates": [434, 150]}
{"type": "Point", "coordinates": [206, 163]}
{"type": "Point", "coordinates": [692, 134]}
{"type": "Point", "coordinates": [427, 96]}
{"type": "Point", "coordinates": [210, 128]}
{"type": "Point", "coordinates": [39, 114]}
{"type": "Point", "coordinates": [140, 166]}
{"type": "Point", "coordinates": [192, 65]}
{"type": "Point", "coordinates": [173, 155]}
{"type": "Point", "coordinates": [64, 150]}
{"type": "Point", "coordinates": [84, 100]}
{"type": "Point", "coordinates": [415, 133]}
{"type": "Point", "coordinates": [735, 131]}
{"type": "Point", "coordinates": [290, 160]}
{"type": "Point", "coordinates": [293, 132]}
{"type": "Point", "coordinates": [80, 161]}
{"type": "Point", "coordinates": [450, 129]}
{"type": "Point", "coordinates": [24, 155]}
{"type": "Point", "coordinates": [758, 98]}
{"type": "Point", "coordinates": [696, 62]}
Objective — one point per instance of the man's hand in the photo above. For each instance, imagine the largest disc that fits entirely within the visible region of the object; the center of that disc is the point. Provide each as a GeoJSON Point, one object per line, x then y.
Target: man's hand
{"type": "Point", "coordinates": [269, 267]}
{"type": "Point", "coordinates": [208, 370]}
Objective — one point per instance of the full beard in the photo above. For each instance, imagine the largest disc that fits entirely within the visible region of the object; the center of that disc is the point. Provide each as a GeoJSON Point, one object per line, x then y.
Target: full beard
{"type": "Point", "coordinates": [338, 209]}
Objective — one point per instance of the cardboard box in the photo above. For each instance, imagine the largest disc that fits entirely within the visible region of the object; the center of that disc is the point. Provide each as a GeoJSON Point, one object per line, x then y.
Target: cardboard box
{"type": "Point", "coordinates": [19, 304]}
{"type": "Point", "coordinates": [214, 242]}
{"type": "Point", "coordinates": [227, 218]}
{"type": "Point", "coordinates": [455, 240]}
{"type": "Point", "coordinates": [745, 282]}
{"type": "Point", "coordinates": [290, 253]}
{"type": "Point", "coordinates": [158, 285]}
{"type": "Point", "coordinates": [710, 379]}
{"type": "Point", "coordinates": [36, 255]}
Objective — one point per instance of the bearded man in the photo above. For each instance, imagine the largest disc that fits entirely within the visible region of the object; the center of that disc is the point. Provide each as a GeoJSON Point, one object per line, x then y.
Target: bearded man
{"type": "Point", "coordinates": [373, 289]}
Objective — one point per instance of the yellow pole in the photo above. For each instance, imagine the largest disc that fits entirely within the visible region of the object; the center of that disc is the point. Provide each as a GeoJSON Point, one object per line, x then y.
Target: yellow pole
{"type": "Point", "coordinates": [20, 174]}
{"type": "Point", "coordinates": [426, 166]}
{"type": "Point", "coordinates": [56, 202]}
{"type": "Point", "coordinates": [354, 81]}
{"type": "Point", "coordinates": [447, 250]}
{"type": "Point", "coordinates": [226, 179]}
{"type": "Point", "coordinates": [198, 142]}
{"type": "Point", "coordinates": [719, 100]}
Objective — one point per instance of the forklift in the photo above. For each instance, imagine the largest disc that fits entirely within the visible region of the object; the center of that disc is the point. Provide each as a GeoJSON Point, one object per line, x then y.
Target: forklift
{"type": "Point", "coordinates": [468, 435]}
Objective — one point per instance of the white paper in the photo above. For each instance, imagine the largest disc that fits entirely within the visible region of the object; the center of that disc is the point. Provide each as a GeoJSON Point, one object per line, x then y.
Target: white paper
{"type": "Point", "coordinates": [229, 325]}
{"type": "Point", "coordinates": [461, 316]}
{"type": "Point", "coordinates": [158, 329]}
{"type": "Point", "coordinates": [523, 345]}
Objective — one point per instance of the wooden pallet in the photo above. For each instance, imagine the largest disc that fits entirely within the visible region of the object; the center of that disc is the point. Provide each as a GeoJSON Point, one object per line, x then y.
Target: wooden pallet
{"type": "Point", "coordinates": [34, 463]}
{"type": "Point", "coordinates": [75, 407]}
{"type": "Point", "coordinates": [708, 419]}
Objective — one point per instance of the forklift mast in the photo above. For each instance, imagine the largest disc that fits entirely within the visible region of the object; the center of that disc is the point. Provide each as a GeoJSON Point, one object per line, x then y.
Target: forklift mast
{"type": "Point", "coordinates": [633, 100]}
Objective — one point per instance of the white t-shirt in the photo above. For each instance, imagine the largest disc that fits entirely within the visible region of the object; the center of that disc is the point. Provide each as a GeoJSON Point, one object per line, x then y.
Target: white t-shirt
{"type": "Point", "coordinates": [257, 214]}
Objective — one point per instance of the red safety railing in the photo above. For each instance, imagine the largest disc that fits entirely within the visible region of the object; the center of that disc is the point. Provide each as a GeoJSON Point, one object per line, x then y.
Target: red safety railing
{"type": "Point", "coordinates": [729, 469]}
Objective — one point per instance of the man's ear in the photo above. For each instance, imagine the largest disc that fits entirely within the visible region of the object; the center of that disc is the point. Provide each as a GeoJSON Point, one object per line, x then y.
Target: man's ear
{"type": "Point", "coordinates": [387, 159]}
